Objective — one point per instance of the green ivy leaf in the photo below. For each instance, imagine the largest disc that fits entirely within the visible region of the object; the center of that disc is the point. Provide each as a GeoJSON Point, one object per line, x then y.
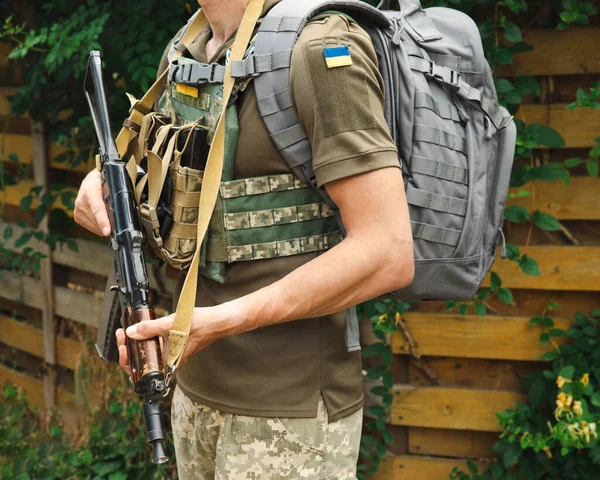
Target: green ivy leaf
{"type": "Point", "coordinates": [369, 440]}
{"type": "Point", "coordinates": [463, 309]}
{"type": "Point", "coordinates": [567, 372]}
{"type": "Point", "coordinates": [546, 136]}
{"type": "Point", "coordinates": [595, 400]}
{"type": "Point", "coordinates": [550, 356]}
{"type": "Point", "coordinates": [377, 411]}
{"type": "Point", "coordinates": [527, 85]}
{"type": "Point", "coordinates": [387, 355]}
{"type": "Point", "coordinates": [23, 239]}
{"type": "Point", "coordinates": [592, 168]}
{"type": "Point", "coordinates": [516, 214]}
{"type": "Point", "coordinates": [544, 338]}
{"type": "Point", "coordinates": [379, 391]}
{"type": "Point", "coordinates": [573, 162]}
{"type": "Point", "coordinates": [8, 233]}
{"type": "Point", "coordinates": [529, 266]}
{"type": "Point", "coordinates": [512, 32]}
{"type": "Point", "coordinates": [512, 454]}
{"type": "Point", "coordinates": [505, 296]}
{"type": "Point", "coordinates": [373, 350]}
{"type": "Point", "coordinates": [72, 245]}
{"type": "Point", "coordinates": [495, 281]}
{"type": "Point", "coordinates": [545, 221]}
{"type": "Point", "coordinates": [480, 309]}
{"type": "Point", "coordinates": [387, 436]}
{"type": "Point", "coordinates": [504, 86]}
{"type": "Point", "coordinates": [513, 252]}
{"type": "Point", "coordinates": [550, 173]}
{"type": "Point", "coordinates": [557, 332]}
{"type": "Point", "coordinates": [25, 203]}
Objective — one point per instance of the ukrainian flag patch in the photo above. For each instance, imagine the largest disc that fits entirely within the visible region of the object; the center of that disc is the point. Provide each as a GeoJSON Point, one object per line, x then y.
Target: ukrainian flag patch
{"type": "Point", "coordinates": [338, 56]}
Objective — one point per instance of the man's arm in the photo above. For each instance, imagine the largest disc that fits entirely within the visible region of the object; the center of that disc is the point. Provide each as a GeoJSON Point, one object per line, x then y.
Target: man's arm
{"type": "Point", "coordinates": [375, 258]}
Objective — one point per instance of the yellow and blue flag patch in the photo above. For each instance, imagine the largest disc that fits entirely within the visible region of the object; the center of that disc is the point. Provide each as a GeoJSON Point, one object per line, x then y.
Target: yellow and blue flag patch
{"type": "Point", "coordinates": [338, 56]}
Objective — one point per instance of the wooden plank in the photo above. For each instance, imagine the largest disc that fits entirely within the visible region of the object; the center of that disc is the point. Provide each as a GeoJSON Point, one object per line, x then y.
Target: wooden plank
{"type": "Point", "coordinates": [77, 306]}
{"type": "Point", "coordinates": [472, 336]}
{"type": "Point", "coordinates": [31, 340]}
{"type": "Point", "coordinates": [92, 257]}
{"type": "Point", "coordinates": [40, 177]}
{"type": "Point", "coordinates": [22, 289]}
{"type": "Point", "coordinates": [474, 373]}
{"type": "Point", "coordinates": [22, 146]}
{"type": "Point", "coordinates": [6, 92]}
{"type": "Point", "coordinates": [454, 408]}
{"type": "Point", "coordinates": [532, 302]}
{"type": "Point", "coordinates": [579, 127]}
{"type": "Point", "coordinates": [32, 387]}
{"type": "Point", "coordinates": [13, 194]}
{"type": "Point", "coordinates": [561, 268]}
{"type": "Point", "coordinates": [452, 443]}
{"type": "Point", "coordinates": [579, 200]}
{"type": "Point", "coordinates": [574, 51]}
{"type": "Point", "coordinates": [416, 467]}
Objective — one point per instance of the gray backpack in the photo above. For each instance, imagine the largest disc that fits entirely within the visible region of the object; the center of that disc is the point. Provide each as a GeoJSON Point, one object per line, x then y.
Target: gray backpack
{"type": "Point", "coordinates": [455, 143]}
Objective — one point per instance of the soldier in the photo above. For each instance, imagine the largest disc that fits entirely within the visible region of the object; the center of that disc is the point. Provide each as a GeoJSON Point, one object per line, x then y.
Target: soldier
{"type": "Point", "coordinates": [266, 388]}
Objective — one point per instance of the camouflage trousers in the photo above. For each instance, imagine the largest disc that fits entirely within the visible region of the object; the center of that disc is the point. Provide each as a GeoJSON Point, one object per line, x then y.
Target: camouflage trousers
{"type": "Point", "coordinates": [215, 445]}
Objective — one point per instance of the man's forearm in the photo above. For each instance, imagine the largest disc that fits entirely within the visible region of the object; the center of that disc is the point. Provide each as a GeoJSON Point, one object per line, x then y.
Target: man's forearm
{"type": "Point", "coordinates": [354, 271]}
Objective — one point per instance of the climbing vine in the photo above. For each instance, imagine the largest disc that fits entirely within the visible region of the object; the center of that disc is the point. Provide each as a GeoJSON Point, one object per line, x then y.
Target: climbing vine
{"type": "Point", "coordinates": [574, 430]}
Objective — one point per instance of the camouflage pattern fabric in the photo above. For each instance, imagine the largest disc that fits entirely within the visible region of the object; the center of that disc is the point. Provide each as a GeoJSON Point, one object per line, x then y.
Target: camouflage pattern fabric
{"type": "Point", "coordinates": [258, 185]}
{"type": "Point", "coordinates": [284, 248]}
{"type": "Point", "coordinates": [215, 445]}
{"type": "Point", "coordinates": [277, 216]}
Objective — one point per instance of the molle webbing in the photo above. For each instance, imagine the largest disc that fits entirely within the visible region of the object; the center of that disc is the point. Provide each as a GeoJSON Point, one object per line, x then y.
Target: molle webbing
{"type": "Point", "coordinates": [269, 217]}
{"type": "Point", "coordinates": [443, 110]}
{"type": "Point", "coordinates": [277, 216]}
{"type": "Point", "coordinates": [259, 185]}
{"type": "Point", "coordinates": [284, 248]}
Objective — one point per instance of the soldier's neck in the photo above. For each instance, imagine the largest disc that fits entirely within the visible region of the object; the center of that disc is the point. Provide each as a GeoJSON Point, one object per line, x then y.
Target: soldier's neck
{"type": "Point", "coordinates": [224, 17]}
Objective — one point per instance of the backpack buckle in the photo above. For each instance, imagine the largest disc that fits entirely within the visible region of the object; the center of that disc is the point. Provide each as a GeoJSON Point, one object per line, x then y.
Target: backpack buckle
{"type": "Point", "coordinates": [445, 75]}
{"type": "Point", "coordinates": [455, 78]}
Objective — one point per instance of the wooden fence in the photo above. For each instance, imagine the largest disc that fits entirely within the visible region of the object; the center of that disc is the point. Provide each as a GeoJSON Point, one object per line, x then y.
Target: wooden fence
{"type": "Point", "coordinates": [439, 419]}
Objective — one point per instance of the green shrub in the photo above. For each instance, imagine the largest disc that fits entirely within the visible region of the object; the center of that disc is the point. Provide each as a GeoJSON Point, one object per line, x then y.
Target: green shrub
{"type": "Point", "coordinates": [553, 435]}
{"type": "Point", "coordinates": [112, 447]}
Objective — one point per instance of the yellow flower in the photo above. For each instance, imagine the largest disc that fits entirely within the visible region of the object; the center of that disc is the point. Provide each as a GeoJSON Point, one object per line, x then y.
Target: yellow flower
{"type": "Point", "coordinates": [569, 401]}
{"type": "Point", "coordinates": [382, 318]}
{"type": "Point", "coordinates": [585, 431]}
{"type": "Point", "coordinates": [585, 380]}
{"type": "Point", "coordinates": [560, 381]}
{"type": "Point", "coordinates": [593, 430]}
{"type": "Point", "coordinates": [397, 318]}
{"type": "Point", "coordinates": [577, 409]}
{"type": "Point", "coordinates": [548, 452]}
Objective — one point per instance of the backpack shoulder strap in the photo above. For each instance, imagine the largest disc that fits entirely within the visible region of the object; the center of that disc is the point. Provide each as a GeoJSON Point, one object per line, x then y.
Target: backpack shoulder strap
{"type": "Point", "coordinates": [271, 62]}
{"type": "Point", "coordinates": [275, 41]}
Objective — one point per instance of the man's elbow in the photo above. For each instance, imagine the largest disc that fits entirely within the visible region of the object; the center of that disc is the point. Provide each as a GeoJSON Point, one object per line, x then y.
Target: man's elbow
{"type": "Point", "coordinates": [400, 263]}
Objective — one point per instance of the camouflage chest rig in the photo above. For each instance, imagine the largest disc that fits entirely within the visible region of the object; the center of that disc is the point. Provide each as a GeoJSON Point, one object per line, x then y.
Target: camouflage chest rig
{"type": "Point", "coordinates": [255, 218]}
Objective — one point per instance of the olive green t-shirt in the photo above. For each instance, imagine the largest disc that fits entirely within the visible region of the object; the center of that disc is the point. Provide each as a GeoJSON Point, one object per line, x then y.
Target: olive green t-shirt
{"type": "Point", "coordinates": [281, 370]}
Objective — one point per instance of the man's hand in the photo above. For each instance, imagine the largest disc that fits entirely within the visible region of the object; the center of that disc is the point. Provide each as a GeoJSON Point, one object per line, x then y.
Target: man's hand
{"type": "Point", "coordinates": [208, 325]}
{"type": "Point", "coordinates": [90, 210]}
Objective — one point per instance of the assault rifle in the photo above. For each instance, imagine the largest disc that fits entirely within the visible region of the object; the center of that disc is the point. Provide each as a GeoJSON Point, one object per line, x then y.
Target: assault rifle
{"type": "Point", "coordinates": [132, 286]}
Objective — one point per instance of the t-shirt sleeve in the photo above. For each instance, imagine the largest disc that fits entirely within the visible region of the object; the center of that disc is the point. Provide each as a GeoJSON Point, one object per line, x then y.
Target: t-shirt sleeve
{"type": "Point", "coordinates": [341, 108]}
